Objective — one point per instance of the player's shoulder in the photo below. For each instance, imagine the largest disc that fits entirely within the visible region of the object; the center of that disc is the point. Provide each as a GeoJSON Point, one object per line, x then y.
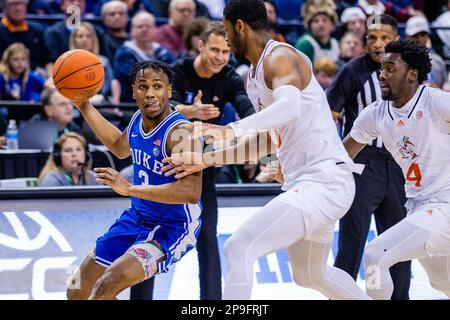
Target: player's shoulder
{"type": "Point", "coordinates": [377, 108]}
{"type": "Point", "coordinates": [433, 96]}
{"type": "Point", "coordinates": [436, 92]}
{"type": "Point", "coordinates": [283, 54]}
{"type": "Point", "coordinates": [378, 104]}
{"type": "Point", "coordinates": [176, 121]}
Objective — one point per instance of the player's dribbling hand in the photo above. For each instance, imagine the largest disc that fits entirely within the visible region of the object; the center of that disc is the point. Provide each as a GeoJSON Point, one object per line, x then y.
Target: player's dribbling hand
{"type": "Point", "coordinates": [114, 179]}
{"type": "Point", "coordinates": [183, 164]}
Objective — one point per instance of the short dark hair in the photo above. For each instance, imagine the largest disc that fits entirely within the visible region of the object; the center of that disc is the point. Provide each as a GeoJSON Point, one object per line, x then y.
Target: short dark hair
{"type": "Point", "coordinates": [151, 64]}
{"type": "Point", "coordinates": [383, 19]}
{"type": "Point", "coordinates": [46, 96]}
{"type": "Point", "coordinates": [414, 54]}
{"type": "Point", "coordinates": [252, 12]}
{"type": "Point", "coordinates": [215, 27]}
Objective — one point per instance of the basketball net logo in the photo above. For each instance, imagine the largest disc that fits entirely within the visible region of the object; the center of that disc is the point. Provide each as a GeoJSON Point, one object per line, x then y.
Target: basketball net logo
{"type": "Point", "coordinates": [74, 17]}
{"type": "Point", "coordinates": [32, 242]}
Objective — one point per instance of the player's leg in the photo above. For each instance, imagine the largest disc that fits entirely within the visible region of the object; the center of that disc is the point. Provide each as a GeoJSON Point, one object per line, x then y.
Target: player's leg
{"type": "Point", "coordinates": [390, 212]}
{"type": "Point", "coordinates": [309, 261]}
{"type": "Point", "coordinates": [438, 271]}
{"type": "Point", "coordinates": [402, 242]}
{"type": "Point", "coordinates": [138, 263]}
{"type": "Point", "coordinates": [276, 226]}
{"type": "Point", "coordinates": [83, 280]}
{"type": "Point", "coordinates": [110, 246]}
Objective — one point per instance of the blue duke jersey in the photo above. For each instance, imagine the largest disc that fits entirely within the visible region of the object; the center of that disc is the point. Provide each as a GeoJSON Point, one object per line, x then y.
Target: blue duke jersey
{"type": "Point", "coordinates": [147, 151]}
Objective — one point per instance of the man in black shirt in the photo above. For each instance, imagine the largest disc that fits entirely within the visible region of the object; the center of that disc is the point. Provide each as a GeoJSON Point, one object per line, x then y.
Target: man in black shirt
{"type": "Point", "coordinates": [379, 189]}
{"type": "Point", "coordinates": [14, 28]}
{"type": "Point", "coordinates": [209, 79]}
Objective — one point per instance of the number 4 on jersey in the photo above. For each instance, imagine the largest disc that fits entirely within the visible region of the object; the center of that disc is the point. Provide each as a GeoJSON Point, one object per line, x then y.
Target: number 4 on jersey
{"type": "Point", "coordinates": [414, 174]}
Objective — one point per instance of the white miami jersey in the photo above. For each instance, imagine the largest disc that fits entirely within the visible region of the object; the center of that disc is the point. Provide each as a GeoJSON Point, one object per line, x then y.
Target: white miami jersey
{"type": "Point", "coordinates": [418, 137]}
{"type": "Point", "coordinates": [309, 147]}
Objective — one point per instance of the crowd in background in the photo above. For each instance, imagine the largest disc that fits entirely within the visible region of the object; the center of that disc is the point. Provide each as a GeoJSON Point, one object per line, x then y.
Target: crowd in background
{"type": "Point", "coordinates": [33, 34]}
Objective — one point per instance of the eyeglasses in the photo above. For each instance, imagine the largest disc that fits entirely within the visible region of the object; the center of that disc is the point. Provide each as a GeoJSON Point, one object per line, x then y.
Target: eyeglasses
{"type": "Point", "coordinates": [63, 104]}
{"type": "Point", "coordinates": [119, 13]}
{"type": "Point", "coordinates": [183, 10]}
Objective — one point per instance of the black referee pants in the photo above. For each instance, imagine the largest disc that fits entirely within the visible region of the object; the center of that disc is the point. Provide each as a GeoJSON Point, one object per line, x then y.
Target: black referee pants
{"type": "Point", "coordinates": [207, 246]}
{"type": "Point", "coordinates": [379, 190]}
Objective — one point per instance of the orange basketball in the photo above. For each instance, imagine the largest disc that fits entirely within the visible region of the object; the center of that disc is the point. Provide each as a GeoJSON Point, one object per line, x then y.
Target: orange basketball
{"type": "Point", "coordinates": [78, 74]}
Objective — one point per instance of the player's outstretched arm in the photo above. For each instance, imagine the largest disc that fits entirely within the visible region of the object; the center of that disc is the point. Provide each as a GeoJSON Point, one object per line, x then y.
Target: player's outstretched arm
{"type": "Point", "coordinates": [352, 146]}
{"type": "Point", "coordinates": [114, 139]}
{"type": "Point", "coordinates": [249, 148]}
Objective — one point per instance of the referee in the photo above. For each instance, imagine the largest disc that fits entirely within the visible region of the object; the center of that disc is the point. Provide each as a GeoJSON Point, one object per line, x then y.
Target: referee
{"type": "Point", "coordinates": [380, 188]}
{"type": "Point", "coordinates": [201, 88]}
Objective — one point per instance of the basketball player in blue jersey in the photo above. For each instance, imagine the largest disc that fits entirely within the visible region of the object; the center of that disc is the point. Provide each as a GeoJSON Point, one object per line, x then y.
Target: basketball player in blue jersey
{"type": "Point", "coordinates": [163, 221]}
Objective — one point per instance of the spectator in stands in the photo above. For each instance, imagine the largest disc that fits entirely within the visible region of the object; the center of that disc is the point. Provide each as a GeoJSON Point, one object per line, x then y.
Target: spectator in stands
{"type": "Point", "coordinates": [417, 29]}
{"type": "Point", "coordinates": [444, 34]}
{"type": "Point", "coordinates": [400, 12]}
{"type": "Point", "coordinates": [57, 36]}
{"type": "Point", "coordinates": [288, 9]}
{"type": "Point", "coordinates": [141, 47]}
{"type": "Point", "coordinates": [201, 88]}
{"type": "Point", "coordinates": [319, 18]}
{"type": "Point", "coordinates": [85, 38]}
{"type": "Point", "coordinates": [170, 35]}
{"type": "Point", "coordinates": [40, 7]}
{"type": "Point", "coordinates": [192, 35]}
{"type": "Point", "coordinates": [58, 109]}
{"type": "Point", "coordinates": [17, 81]}
{"type": "Point", "coordinates": [353, 19]}
{"type": "Point", "coordinates": [215, 7]}
{"type": "Point", "coordinates": [67, 165]}
{"type": "Point", "coordinates": [133, 7]}
{"type": "Point", "coordinates": [201, 9]}
{"type": "Point", "coordinates": [324, 70]}
{"type": "Point", "coordinates": [115, 18]}
{"type": "Point", "coordinates": [351, 47]}
{"type": "Point", "coordinates": [14, 28]}
{"type": "Point", "coordinates": [273, 17]}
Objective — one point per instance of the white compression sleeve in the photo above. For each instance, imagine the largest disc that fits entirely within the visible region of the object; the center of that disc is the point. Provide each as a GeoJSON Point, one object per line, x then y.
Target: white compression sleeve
{"type": "Point", "coordinates": [284, 109]}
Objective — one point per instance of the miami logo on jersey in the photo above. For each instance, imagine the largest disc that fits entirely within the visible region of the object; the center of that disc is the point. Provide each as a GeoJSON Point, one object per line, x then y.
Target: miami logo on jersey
{"type": "Point", "coordinates": [260, 105]}
{"type": "Point", "coordinates": [406, 148]}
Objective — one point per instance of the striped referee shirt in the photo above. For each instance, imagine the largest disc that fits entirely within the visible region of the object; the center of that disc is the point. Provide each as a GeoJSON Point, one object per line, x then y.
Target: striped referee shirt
{"type": "Point", "coordinates": [354, 88]}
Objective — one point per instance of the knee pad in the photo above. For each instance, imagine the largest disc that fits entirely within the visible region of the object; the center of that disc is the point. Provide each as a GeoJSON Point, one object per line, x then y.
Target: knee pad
{"type": "Point", "coordinates": [149, 254]}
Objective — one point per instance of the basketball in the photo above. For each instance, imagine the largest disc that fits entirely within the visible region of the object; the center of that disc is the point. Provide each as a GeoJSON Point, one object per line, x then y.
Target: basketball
{"type": "Point", "coordinates": [78, 74]}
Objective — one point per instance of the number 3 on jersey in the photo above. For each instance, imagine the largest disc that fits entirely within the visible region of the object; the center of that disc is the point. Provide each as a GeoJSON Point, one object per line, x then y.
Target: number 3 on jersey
{"type": "Point", "coordinates": [144, 176]}
{"type": "Point", "coordinates": [414, 174]}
